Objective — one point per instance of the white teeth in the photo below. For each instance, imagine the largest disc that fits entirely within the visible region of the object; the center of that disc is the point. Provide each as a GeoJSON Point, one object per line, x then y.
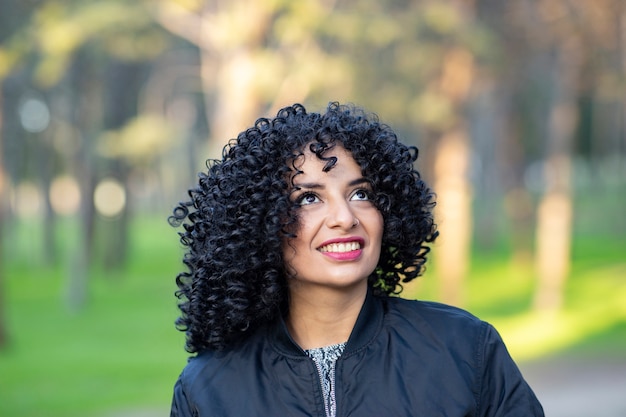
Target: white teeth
{"type": "Point", "coordinates": [341, 247]}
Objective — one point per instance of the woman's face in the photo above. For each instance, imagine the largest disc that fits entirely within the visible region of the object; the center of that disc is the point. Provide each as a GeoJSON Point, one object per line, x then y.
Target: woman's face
{"type": "Point", "coordinates": [340, 230]}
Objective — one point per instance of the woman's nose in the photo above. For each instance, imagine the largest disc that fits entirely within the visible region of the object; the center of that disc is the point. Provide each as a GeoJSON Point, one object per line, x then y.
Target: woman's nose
{"type": "Point", "coordinates": [340, 215]}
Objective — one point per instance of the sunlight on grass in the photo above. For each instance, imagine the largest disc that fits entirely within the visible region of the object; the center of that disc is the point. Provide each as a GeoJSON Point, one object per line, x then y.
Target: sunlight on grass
{"type": "Point", "coordinates": [596, 303]}
{"type": "Point", "coordinates": [501, 293]}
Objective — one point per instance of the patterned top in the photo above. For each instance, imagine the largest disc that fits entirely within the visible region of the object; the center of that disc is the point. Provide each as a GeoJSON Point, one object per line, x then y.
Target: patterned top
{"type": "Point", "coordinates": [325, 359]}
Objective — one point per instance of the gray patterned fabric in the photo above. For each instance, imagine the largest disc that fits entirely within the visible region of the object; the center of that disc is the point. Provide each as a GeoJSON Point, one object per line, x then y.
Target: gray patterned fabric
{"type": "Point", "coordinates": [325, 359]}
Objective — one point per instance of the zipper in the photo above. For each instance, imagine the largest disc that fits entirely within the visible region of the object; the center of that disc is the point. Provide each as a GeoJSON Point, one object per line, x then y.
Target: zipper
{"type": "Point", "coordinates": [330, 402]}
{"type": "Point", "coordinates": [321, 381]}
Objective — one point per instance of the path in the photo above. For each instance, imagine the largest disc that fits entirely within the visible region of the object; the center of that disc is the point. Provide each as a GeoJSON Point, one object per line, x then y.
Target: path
{"type": "Point", "coordinates": [574, 387]}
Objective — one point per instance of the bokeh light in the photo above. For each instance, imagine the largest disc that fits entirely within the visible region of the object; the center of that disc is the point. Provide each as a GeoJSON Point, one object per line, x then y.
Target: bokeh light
{"type": "Point", "coordinates": [26, 200]}
{"type": "Point", "coordinates": [109, 197]}
{"type": "Point", "coordinates": [34, 115]}
{"type": "Point", "coordinates": [65, 195]}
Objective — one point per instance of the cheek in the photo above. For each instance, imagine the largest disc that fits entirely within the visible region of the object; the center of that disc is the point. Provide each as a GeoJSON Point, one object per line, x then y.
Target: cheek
{"type": "Point", "coordinates": [295, 248]}
{"type": "Point", "coordinates": [305, 229]}
{"type": "Point", "coordinates": [287, 249]}
{"type": "Point", "coordinates": [290, 260]}
{"type": "Point", "coordinates": [378, 226]}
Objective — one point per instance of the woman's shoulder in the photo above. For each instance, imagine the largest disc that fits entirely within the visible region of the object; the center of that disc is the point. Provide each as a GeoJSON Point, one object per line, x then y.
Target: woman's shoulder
{"type": "Point", "coordinates": [433, 315]}
{"type": "Point", "coordinates": [210, 363]}
{"type": "Point", "coordinates": [201, 363]}
{"type": "Point", "coordinates": [427, 307]}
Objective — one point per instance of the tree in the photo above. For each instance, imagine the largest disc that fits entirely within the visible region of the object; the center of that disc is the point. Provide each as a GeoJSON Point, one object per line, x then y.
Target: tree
{"type": "Point", "coordinates": [554, 56]}
{"type": "Point", "coordinates": [573, 31]}
{"type": "Point", "coordinates": [14, 14]}
{"type": "Point", "coordinates": [3, 212]}
{"type": "Point", "coordinates": [71, 53]}
{"type": "Point", "coordinates": [255, 56]}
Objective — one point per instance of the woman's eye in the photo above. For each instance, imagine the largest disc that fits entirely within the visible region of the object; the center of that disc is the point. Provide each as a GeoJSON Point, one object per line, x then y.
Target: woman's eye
{"type": "Point", "coordinates": [306, 199]}
{"type": "Point", "coordinates": [360, 195]}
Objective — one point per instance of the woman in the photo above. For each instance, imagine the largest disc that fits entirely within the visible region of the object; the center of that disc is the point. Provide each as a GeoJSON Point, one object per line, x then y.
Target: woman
{"type": "Point", "coordinates": [297, 240]}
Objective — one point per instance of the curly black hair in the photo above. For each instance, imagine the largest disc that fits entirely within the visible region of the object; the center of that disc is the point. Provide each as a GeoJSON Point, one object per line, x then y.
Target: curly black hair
{"type": "Point", "coordinates": [240, 212]}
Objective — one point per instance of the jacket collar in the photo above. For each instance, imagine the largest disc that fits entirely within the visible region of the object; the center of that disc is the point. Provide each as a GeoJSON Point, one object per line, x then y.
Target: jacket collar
{"type": "Point", "coordinates": [367, 326]}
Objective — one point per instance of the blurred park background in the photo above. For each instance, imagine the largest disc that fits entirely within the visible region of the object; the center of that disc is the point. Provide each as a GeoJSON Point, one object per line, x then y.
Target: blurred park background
{"type": "Point", "coordinates": [109, 108]}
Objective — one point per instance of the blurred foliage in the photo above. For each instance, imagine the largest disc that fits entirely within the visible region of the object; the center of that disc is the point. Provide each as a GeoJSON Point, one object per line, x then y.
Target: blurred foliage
{"type": "Point", "coordinates": [57, 30]}
{"type": "Point", "coordinates": [141, 139]}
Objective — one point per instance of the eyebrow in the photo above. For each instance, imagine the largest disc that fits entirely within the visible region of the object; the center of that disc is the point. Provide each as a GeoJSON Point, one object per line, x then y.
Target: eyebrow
{"type": "Point", "coordinates": [316, 186]}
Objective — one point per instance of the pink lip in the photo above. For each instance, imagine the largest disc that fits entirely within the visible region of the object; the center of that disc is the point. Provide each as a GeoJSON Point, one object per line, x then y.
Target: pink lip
{"type": "Point", "coordinates": [344, 256]}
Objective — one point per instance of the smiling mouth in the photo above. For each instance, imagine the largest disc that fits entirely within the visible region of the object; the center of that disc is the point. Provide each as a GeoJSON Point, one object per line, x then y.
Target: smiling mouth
{"type": "Point", "coordinates": [340, 247]}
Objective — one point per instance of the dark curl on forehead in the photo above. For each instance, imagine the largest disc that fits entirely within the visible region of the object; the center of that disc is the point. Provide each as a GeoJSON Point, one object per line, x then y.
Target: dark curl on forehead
{"type": "Point", "coordinates": [323, 145]}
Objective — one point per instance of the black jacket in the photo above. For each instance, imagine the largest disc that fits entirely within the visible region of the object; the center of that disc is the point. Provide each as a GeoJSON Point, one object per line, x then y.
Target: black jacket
{"type": "Point", "coordinates": [403, 358]}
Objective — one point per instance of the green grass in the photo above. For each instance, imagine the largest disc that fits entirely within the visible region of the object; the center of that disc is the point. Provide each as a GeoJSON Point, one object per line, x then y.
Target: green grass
{"type": "Point", "coordinates": [592, 321]}
{"type": "Point", "coordinates": [121, 351]}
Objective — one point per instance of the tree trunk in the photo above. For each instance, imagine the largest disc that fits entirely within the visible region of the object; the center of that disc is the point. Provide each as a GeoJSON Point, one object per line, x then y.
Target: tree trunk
{"type": "Point", "coordinates": [4, 337]}
{"type": "Point", "coordinates": [486, 120]}
{"type": "Point", "coordinates": [230, 72]}
{"type": "Point", "coordinates": [116, 236]}
{"type": "Point", "coordinates": [554, 216]}
{"type": "Point", "coordinates": [123, 82]}
{"type": "Point", "coordinates": [45, 158]}
{"type": "Point", "coordinates": [453, 213]}
{"type": "Point", "coordinates": [452, 185]}
{"type": "Point", "coordinates": [236, 105]}
{"type": "Point", "coordinates": [87, 98]}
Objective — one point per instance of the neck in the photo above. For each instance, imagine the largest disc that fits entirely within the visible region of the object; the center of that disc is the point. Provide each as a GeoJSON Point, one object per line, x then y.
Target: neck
{"type": "Point", "coordinates": [323, 316]}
